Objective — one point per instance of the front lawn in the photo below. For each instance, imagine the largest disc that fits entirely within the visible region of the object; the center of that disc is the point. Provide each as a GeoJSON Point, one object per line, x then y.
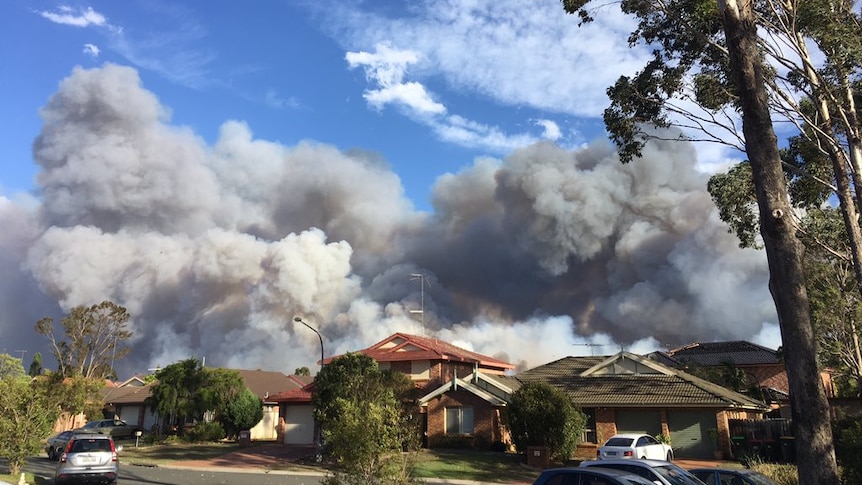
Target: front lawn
{"type": "Point", "coordinates": [165, 453]}
{"type": "Point", "coordinates": [483, 466]}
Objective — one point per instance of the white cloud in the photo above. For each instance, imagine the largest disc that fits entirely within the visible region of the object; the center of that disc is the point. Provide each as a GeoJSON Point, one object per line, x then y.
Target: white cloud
{"type": "Point", "coordinates": [66, 15]}
{"type": "Point", "coordinates": [91, 50]}
{"type": "Point", "coordinates": [552, 130]}
{"type": "Point", "coordinates": [386, 67]}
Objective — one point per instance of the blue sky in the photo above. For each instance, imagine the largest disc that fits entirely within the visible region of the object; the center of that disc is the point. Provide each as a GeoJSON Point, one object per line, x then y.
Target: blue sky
{"type": "Point", "coordinates": [428, 86]}
{"type": "Point", "coordinates": [219, 168]}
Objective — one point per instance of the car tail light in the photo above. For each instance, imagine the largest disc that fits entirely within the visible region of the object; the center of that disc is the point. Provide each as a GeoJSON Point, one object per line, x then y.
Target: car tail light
{"type": "Point", "coordinates": [629, 453]}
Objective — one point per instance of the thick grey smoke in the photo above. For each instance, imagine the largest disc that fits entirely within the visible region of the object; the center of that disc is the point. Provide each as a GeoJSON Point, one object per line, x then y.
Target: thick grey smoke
{"type": "Point", "coordinates": [215, 249]}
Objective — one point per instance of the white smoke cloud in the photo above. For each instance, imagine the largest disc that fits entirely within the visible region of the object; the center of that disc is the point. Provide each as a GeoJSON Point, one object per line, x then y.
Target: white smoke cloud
{"type": "Point", "coordinates": [215, 249]}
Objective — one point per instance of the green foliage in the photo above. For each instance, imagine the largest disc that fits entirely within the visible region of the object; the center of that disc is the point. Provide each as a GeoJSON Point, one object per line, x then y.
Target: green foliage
{"type": "Point", "coordinates": [27, 415]}
{"type": "Point", "coordinates": [218, 389]}
{"type": "Point", "coordinates": [243, 412]}
{"type": "Point", "coordinates": [186, 390]}
{"type": "Point", "coordinates": [205, 431]}
{"type": "Point", "coordinates": [848, 448]}
{"type": "Point", "coordinates": [362, 418]}
{"type": "Point", "coordinates": [175, 393]}
{"type": "Point", "coordinates": [95, 337]}
{"type": "Point", "coordinates": [10, 367]}
{"type": "Point", "coordinates": [36, 365]}
{"type": "Point", "coordinates": [75, 395]}
{"type": "Point", "coordinates": [733, 194]}
{"type": "Point", "coordinates": [541, 415]}
{"type": "Point", "coordinates": [302, 371]}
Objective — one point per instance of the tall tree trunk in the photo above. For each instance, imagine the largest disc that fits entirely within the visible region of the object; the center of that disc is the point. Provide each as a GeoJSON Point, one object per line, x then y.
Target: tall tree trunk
{"type": "Point", "coordinates": [810, 409]}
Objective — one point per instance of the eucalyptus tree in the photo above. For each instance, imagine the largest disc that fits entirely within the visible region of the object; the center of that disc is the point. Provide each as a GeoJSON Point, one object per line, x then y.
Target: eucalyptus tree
{"type": "Point", "coordinates": [93, 339]}
{"type": "Point", "coordinates": [715, 76]}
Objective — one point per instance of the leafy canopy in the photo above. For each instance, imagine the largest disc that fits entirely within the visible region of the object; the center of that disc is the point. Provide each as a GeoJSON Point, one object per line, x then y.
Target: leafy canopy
{"type": "Point", "coordinates": [542, 415]}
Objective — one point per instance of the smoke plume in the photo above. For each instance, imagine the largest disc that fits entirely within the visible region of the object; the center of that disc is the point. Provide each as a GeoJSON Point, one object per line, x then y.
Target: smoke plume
{"type": "Point", "coordinates": [215, 248]}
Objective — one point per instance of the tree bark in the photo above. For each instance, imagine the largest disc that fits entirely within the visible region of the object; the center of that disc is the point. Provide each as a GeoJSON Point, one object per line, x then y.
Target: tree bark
{"type": "Point", "coordinates": [810, 408]}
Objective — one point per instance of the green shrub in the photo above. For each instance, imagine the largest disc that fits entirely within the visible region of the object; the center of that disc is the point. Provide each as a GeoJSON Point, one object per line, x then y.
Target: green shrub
{"type": "Point", "coordinates": [202, 432]}
{"type": "Point", "coordinates": [847, 434]}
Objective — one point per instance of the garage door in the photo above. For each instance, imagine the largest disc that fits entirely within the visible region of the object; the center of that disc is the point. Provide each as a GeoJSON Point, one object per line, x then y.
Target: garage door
{"type": "Point", "coordinates": [631, 421]}
{"type": "Point", "coordinates": [299, 425]}
{"type": "Point", "coordinates": [689, 433]}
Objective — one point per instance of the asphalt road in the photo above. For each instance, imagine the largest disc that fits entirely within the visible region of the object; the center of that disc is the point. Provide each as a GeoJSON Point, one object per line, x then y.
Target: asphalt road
{"type": "Point", "coordinates": [43, 469]}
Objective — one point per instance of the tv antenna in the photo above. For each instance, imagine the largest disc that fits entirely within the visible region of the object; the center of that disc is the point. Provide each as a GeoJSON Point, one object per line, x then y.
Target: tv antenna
{"type": "Point", "coordinates": [591, 346]}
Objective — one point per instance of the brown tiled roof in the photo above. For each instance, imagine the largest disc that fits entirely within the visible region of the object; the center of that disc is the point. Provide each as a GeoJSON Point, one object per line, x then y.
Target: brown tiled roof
{"type": "Point", "coordinates": [739, 353]}
{"type": "Point", "coordinates": [126, 394]}
{"type": "Point", "coordinates": [267, 383]}
{"type": "Point", "coordinates": [405, 347]}
{"type": "Point", "coordinates": [674, 389]}
{"type": "Point", "coordinates": [261, 383]}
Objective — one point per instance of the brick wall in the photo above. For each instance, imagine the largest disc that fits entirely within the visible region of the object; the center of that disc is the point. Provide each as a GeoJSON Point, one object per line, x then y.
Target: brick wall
{"type": "Point", "coordinates": [486, 421]}
{"type": "Point", "coordinates": [606, 424]}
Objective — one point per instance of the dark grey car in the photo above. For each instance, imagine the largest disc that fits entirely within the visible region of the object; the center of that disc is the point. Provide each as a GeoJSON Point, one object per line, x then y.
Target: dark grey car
{"type": "Point", "coordinates": [88, 458]}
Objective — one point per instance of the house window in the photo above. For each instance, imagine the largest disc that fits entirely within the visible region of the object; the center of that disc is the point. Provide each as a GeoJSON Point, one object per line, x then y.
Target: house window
{"type": "Point", "coordinates": [589, 433]}
{"type": "Point", "coordinates": [459, 420]}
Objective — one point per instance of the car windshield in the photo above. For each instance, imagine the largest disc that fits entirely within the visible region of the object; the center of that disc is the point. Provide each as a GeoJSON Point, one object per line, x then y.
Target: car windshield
{"type": "Point", "coordinates": [676, 475]}
{"type": "Point", "coordinates": [619, 442]}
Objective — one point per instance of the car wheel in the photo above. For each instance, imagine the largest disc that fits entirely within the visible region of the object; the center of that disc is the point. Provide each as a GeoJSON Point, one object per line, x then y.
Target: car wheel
{"type": "Point", "coordinates": [669, 456]}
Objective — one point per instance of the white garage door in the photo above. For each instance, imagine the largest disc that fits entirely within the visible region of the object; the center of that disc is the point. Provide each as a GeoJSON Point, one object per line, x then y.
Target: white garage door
{"type": "Point", "coordinates": [299, 425]}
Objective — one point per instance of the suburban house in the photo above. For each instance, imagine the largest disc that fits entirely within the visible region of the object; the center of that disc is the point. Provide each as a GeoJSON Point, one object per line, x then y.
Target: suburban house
{"type": "Point", "coordinates": [629, 393]}
{"type": "Point", "coordinates": [763, 367]}
{"type": "Point", "coordinates": [462, 392]}
{"type": "Point", "coordinates": [127, 400]}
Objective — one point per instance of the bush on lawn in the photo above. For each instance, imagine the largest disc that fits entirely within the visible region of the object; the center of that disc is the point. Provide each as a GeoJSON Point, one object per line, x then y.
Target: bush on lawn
{"type": "Point", "coordinates": [202, 432]}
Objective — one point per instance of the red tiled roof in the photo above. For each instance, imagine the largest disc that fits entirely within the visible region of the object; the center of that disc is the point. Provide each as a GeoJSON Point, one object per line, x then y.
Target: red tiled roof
{"type": "Point", "coordinates": [400, 347]}
{"type": "Point", "coordinates": [300, 395]}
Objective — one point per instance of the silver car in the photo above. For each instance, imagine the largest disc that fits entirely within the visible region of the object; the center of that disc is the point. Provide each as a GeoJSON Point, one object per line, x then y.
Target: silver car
{"type": "Point", "coordinates": [657, 471]}
{"type": "Point", "coordinates": [89, 457]}
{"type": "Point", "coordinates": [55, 444]}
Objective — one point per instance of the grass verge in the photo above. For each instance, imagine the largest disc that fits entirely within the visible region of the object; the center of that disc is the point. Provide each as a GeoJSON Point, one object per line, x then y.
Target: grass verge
{"type": "Point", "coordinates": [166, 453]}
{"type": "Point", "coordinates": [443, 464]}
{"type": "Point", "coordinates": [473, 465]}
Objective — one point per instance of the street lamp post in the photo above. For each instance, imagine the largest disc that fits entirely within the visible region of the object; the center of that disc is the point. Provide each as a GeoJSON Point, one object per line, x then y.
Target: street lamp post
{"type": "Point", "coordinates": [300, 320]}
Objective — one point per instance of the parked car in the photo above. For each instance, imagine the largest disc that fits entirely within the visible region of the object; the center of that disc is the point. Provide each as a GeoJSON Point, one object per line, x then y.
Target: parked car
{"type": "Point", "coordinates": [656, 471]}
{"type": "Point", "coordinates": [592, 476]}
{"type": "Point", "coordinates": [89, 457]}
{"type": "Point", "coordinates": [117, 428]}
{"type": "Point", "coordinates": [641, 446]}
{"type": "Point", "coordinates": [731, 476]}
{"type": "Point", "coordinates": [55, 444]}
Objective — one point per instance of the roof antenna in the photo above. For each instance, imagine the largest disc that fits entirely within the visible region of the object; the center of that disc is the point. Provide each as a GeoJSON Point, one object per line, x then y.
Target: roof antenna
{"type": "Point", "coordinates": [422, 279]}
